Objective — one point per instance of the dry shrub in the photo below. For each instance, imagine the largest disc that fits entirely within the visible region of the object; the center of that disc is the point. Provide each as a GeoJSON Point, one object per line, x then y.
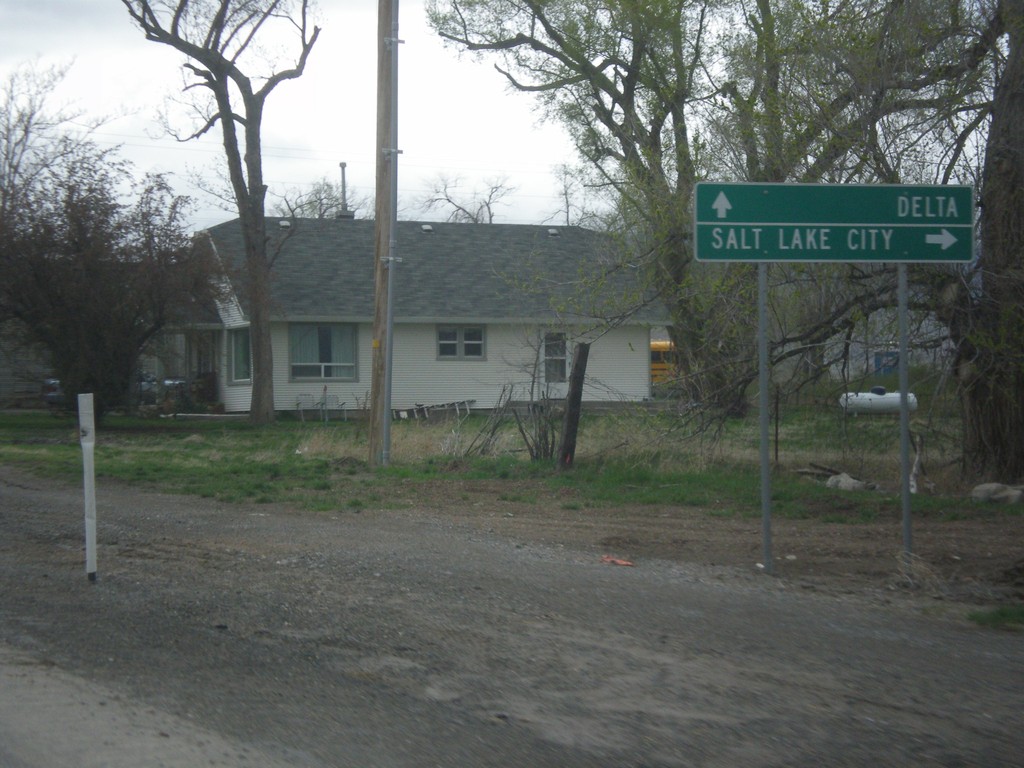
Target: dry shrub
{"type": "Point", "coordinates": [328, 444]}
{"type": "Point", "coordinates": [642, 438]}
{"type": "Point", "coordinates": [917, 574]}
{"type": "Point", "coordinates": [418, 439]}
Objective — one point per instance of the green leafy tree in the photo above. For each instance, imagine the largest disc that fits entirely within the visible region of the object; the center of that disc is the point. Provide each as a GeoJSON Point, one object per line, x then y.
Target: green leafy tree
{"type": "Point", "coordinates": [659, 95]}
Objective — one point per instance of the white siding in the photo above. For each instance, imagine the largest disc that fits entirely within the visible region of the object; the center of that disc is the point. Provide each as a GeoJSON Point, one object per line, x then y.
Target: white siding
{"type": "Point", "coordinates": [354, 394]}
{"type": "Point", "coordinates": [618, 369]}
{"type": "Point", "coordinates": [419, 377]}
{"type": "Point", "coordinates": [22, 369]}
{"type": "Point", "coordinates": [619, 366]}
{"type": "Point", "coordinates": [236, 397]}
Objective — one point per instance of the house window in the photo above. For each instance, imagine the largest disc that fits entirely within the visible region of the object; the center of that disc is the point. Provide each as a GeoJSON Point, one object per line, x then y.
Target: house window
{"type": "Point", "coordinates": [241, 355]}
{"type": "Point", "coordinates": [326, 351]}
{"type": "Point", "coordinates": [554, 357]}
{"type": "Point", "coordinates": [460, 342]}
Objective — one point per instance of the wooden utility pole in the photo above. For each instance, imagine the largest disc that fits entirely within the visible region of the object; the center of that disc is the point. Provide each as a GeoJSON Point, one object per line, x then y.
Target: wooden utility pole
{"type": "Point", "coordinates": [384, 216]}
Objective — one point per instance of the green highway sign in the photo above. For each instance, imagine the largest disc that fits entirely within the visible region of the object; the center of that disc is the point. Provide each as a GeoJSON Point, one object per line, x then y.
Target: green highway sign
{"type": "Point", "coordinates": [833, 222]}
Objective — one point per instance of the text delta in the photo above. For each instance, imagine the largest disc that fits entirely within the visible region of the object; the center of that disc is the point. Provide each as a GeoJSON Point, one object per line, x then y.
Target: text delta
{"type": "Point", "coordinates": [926, 207]}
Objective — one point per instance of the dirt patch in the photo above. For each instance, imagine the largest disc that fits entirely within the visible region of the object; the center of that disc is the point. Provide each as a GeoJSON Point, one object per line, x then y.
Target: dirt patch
{"type": "Point", "coordinates": [461, 623]}
{"type": "Point", "coordinates": [974, 558]}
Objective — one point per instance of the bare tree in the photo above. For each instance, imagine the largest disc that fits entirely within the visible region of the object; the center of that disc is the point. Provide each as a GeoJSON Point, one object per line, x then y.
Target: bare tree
{"type": "Point", "coordinates": [91, 278]}
{"type": "Point", "coordinates": [473, 208]}
{"type": "Point", "coordinates": [571, 192]}
{"type": "Point", "coordinates": [220, 38]}
{"type": "Point", "coordinates": [34, 137]}
{"type": "Point", "coordinates": [323, 200]}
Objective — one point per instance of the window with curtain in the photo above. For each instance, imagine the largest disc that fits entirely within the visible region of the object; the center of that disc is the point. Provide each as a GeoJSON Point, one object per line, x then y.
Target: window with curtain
{"type": "Point", "coordinates": [457, 342]}
{"type": "Point", "coordinates": [240, 355]}
{"type": "Point", "coordinates": [322, 351]}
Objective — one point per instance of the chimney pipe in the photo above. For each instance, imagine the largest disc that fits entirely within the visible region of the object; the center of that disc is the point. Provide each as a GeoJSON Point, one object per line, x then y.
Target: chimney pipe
{"type": "Point", "coordinates": [344, 213]}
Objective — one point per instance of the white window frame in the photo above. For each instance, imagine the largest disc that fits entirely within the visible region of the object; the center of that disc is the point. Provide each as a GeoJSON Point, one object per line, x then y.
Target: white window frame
{"type": "Point", "coordinates": [456, 335]}
{"type": "Point", "coordinates": [233, 335]}
{"type": "Point", "coordinates": [318, 370]}
{"type": "Point", "coordinates": [555, 339]}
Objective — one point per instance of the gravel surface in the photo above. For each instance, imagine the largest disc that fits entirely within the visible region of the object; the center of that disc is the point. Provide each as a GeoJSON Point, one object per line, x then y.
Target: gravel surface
{"type": "Point", "coordinates": [458, 632]}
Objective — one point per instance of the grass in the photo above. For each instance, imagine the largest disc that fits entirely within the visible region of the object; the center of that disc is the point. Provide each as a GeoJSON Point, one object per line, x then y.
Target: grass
{"type": "Point", "coordinates": [627, 457]}
{"type": "Point", "coordinates": [618, 483]}
{"type": "Point", "coordinates": [1008, 617]}
{"type": "Point", "coordinates": [229, 460]}
{"type": "Point", "coordinates": [624, 459]}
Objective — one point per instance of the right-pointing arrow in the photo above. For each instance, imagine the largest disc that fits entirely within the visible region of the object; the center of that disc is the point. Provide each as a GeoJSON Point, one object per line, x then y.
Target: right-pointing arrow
{"type": "Point", "coordinates": [944, 238]}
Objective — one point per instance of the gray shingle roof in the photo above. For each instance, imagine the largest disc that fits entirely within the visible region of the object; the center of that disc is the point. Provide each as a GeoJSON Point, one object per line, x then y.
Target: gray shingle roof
{"type": "Point", "coordinates": [451, 273]}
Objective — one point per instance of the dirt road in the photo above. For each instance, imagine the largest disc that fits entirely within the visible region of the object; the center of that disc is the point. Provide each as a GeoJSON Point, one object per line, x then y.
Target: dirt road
{"type": "Point", "coordinates": [267, 637]}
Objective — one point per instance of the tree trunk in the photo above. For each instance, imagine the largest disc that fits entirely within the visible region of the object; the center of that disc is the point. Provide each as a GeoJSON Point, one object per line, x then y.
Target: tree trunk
{"type": "Point", "coordinates": [257, 264]}
{"type": "Point", "coordinates": [261, 408]}
{"type": "Point", "coordinates": [990, 364]}
{"type": "Point", "coordinates": [573, 406]}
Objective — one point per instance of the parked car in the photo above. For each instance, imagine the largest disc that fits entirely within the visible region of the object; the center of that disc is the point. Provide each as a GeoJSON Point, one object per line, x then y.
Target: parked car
{"type": "Point", "coordinates": [52, 393]}
{"type": "Point", "coordinates": [175, 384]}
{"type": "Point", "coordinates": [145, 390]}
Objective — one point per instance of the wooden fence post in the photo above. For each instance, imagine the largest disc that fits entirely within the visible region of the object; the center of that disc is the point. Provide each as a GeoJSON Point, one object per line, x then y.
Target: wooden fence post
{"type": "Point", "coordinates": [573, 406]}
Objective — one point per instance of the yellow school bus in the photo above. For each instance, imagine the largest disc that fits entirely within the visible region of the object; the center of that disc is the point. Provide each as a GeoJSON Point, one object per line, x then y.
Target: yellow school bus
{"type": "Point", "coordinates": [663, 361]}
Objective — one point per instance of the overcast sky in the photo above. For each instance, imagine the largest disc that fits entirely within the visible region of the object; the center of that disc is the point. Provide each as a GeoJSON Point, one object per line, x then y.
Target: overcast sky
{"type": "Point", "coordinates": [455, 115]}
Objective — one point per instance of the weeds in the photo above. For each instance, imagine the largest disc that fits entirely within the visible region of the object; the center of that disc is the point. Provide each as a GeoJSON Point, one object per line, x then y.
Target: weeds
{"type": "Point", "coordinates": [625, 457]}
{"type": "Point", "coordinates": [1009, 617]}
{"type": "Point", "coordinates": [916, 573]}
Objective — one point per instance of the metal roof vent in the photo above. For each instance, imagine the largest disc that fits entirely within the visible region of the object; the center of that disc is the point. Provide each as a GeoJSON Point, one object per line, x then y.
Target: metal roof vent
{"type": "Point", "coordinates": [427, 229]}
{"type": "Point", "coordinates": [345, 212]}
{"type": "Point", "coordinates": [284, 224]}
{"type": "Point", "coordinates": [553, 232]}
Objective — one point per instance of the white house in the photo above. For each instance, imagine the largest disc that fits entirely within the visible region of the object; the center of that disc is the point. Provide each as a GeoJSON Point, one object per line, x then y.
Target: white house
{"type": "Point", "coordinates": [477, 308]}
{"type": "Point", "coordinates": [22, 367]}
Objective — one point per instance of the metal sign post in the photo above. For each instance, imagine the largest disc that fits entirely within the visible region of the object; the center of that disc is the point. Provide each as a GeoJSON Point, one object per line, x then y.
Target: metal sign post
{"type": "Point", "coordinates": [87, 435]}
{"type": "Point", "coordinates": [764, 223]}
{"type": "Point", "coordinates": [904, 383]}
{"type": "Point", "coordinates": [762, 377]}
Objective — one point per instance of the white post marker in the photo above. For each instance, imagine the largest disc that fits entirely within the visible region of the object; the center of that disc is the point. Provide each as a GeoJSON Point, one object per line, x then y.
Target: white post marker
{"type": "Point", "coordinates": [87, 435]}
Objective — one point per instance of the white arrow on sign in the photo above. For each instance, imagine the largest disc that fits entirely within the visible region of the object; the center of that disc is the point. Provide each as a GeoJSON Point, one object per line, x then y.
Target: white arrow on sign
{"type": "Point", "coordinates": [722, 205]}
{"type": "Point", "coordinates": [944, 238]}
